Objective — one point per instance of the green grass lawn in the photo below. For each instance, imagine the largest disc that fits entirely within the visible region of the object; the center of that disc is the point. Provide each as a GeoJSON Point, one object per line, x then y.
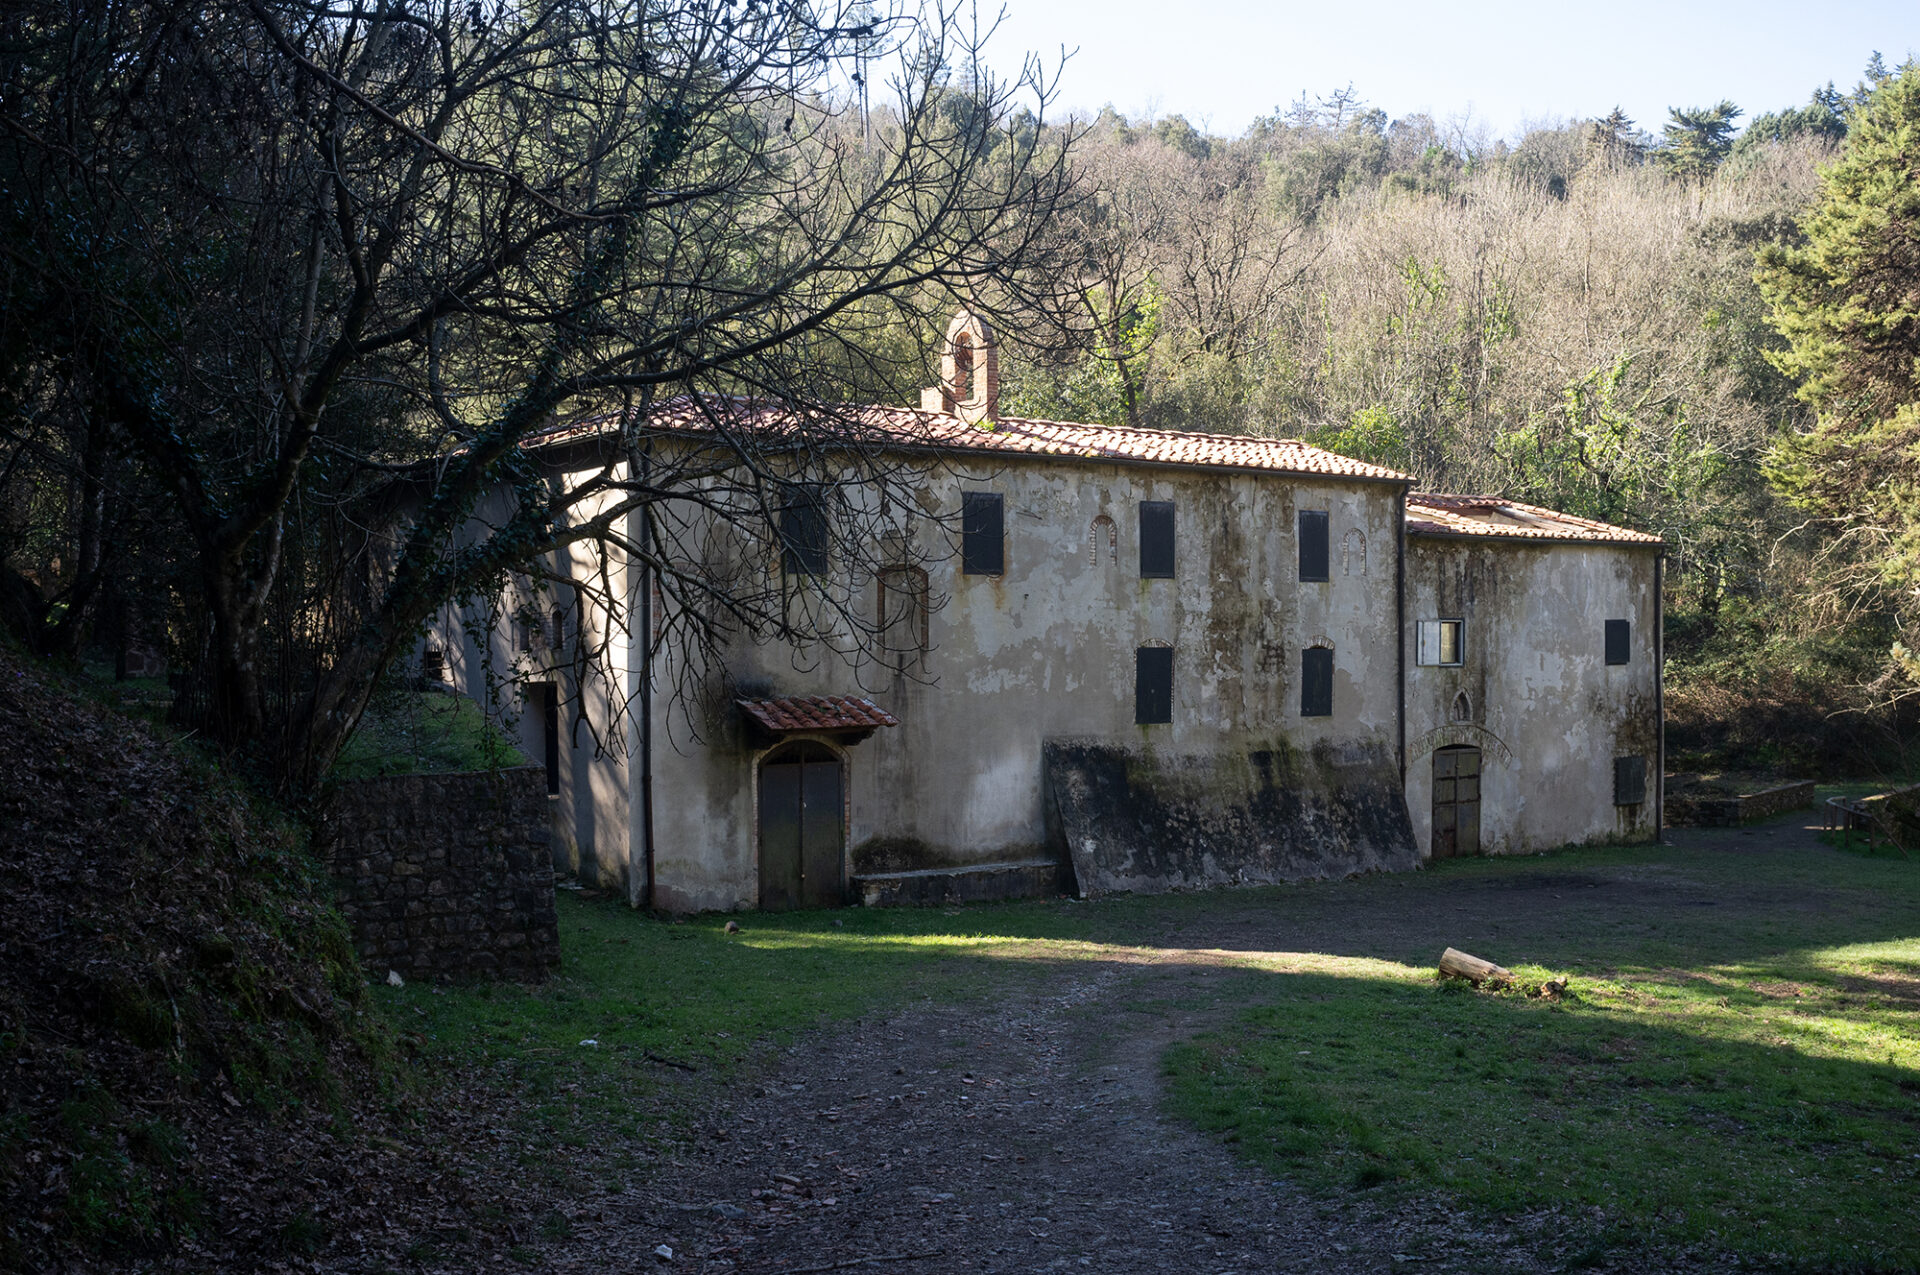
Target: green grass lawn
{"type": "Point", "coordinates": [405, 732]}
{"type": "Point", "coordinates": [1770, 1107]}
{"type": "Point", "coordinates": [1767, 1105]}
{"type": "Point", "coordinates": [1738, 1062]}
{"type": "Point", "coordinates": [664, 1001]}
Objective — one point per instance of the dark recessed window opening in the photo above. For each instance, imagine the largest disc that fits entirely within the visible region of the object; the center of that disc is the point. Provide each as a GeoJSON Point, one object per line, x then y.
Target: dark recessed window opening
{"type": "Point", "coordinates": [983, 533]}
{"type": "Point", "coordinates": [1153, 685]}
{"type": "Point", "coordinates": [559, 628]}
{"type": "Point", "coordinates": [433, 664]}
{"type": "Point", "coordinates": [549, 694]}
{"type": "Point", "coordinates": [803, 535]}
{"type": "Point", "coordinates": [1316, 682]}
{"type": "Point", "coordinates": [1619, 641]}
{"type": "Point", "coordinates": [903, 614]}
{"type": "Point", "coordinates": [1313, 544]}
{"type": "Point", "coordinates": [1156, 540]}
{"type": "Point", "coordinates": [1629, 781]}
{"type": "Point", "coordinates": [1441, 642]}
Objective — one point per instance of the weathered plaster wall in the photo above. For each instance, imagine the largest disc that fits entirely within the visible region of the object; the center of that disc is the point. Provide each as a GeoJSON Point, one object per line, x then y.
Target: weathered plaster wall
{"type": "Point", "coordinates": [497, 657]}
{"type": "Point", "coordinates": [1141, 821]}
{"type": "Point", "coordinates": [1046, 651]}
{"type": "Point", "coordinates": [1547, 712]}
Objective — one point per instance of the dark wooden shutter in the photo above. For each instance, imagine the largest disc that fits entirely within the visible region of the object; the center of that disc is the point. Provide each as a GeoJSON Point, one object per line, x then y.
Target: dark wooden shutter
{"type": "Point", "coordinates": [1629, 781]}
{"type": "Point", "coordinates": [1619, 641]}
{"type": "Point", "coordinates": [983, 533]}
{"type": "Point", "coordinates": [1156, 540]}
{"type": "Point", "coordinates": [1313, 544]}
{"type": "Point", "coordinates": [550, 734]}
{"type": "Point", "coordinates": [1153, 685]}
{"type": "Point", "coordinates": [1316, 682]}
{"type": "Point", "coordinates": [803, 535]}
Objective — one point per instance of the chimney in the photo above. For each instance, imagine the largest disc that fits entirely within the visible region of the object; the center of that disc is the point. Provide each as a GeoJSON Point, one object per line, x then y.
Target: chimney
{"type": "Point", "coordinates": [969, 372]}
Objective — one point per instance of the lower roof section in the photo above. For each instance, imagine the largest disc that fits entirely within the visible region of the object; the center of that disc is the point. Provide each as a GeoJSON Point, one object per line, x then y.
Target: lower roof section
{"type": "Point", "coordinates": [1497, 518]}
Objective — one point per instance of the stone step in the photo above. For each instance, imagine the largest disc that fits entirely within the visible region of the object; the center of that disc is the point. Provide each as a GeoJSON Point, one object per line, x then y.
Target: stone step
{"type": "Point", "coordinates": [972, 883]}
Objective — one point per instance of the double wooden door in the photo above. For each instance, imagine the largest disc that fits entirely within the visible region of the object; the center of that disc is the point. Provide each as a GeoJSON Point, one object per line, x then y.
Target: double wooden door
{"type": "Point", "coordinates": [802, 829]}
{"type": "Point", "coordinates": [1456, 802]}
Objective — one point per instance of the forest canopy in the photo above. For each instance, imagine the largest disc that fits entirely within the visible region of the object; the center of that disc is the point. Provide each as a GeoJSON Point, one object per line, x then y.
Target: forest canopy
{"type": "Point", "coordinates": [1572, 318]}
{"type": "Point", "coordinates": [266, 260]}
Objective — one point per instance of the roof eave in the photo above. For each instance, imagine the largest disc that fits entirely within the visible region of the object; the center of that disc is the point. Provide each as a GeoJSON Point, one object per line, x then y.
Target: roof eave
{"type": "Point", "coordinates": [1603, 542]}
{"type": "Point", "coordinates": [561, 446]}
{"type": "Point", "coordinates": [1145, 462]}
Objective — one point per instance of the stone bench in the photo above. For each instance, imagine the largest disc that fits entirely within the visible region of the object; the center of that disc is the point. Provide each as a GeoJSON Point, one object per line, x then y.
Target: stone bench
{"type": "Point", "coordinates": [973, 883]}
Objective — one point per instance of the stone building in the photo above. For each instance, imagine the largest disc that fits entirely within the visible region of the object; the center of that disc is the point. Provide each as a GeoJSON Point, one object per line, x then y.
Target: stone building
{"type": "Point", "coordinates": [1532, 699]}
{"type": "Point", "coordinates": [1119, 659]}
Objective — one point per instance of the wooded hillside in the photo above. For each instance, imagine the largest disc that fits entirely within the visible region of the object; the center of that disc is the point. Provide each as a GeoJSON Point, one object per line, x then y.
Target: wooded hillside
{"type": "Point", "coordinates": [285, 294]}
{"type": "Point", "coordinates": [181, 1015]}
{"type": "Point", "coordinates": [1575, 320]}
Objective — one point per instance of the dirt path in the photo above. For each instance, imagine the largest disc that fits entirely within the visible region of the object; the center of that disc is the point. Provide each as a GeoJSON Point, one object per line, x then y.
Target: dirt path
{"type": "Point", "coordinates": [1030, 1137]}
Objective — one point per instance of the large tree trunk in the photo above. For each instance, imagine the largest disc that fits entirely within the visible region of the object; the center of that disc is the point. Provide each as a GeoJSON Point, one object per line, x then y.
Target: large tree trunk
{"type": "Point", "coordinates": [233, 711]}
{"type": "Point", "coordinates": [326, 718]}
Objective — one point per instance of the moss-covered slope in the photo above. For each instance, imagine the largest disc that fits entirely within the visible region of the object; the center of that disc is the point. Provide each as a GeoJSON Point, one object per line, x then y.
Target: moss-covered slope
{"type": "Point", "coordinates": [185, 1056]}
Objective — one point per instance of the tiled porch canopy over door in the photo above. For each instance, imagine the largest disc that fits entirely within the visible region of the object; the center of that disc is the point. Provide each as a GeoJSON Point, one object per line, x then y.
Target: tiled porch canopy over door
{"type": "Point", "coordinates": [802, 807]}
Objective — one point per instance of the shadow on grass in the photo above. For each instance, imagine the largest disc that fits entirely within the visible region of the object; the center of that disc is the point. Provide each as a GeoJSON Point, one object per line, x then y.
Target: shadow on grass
{"type": "Point", "coordinates": [1720, 1076]}
{"type": "Point", "coordinates": [1658, 1113]}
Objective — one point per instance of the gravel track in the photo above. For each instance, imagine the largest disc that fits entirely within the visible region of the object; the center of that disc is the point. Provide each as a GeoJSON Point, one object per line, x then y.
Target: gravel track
{"type": "Point", "coordinates": [1028, 1135]}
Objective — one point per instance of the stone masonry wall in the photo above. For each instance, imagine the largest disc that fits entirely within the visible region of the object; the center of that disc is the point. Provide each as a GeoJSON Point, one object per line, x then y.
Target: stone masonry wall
{"type": "Point", "coordinates": [1715, 810]}
{"type": "Point", "coordinates": [446, 876]}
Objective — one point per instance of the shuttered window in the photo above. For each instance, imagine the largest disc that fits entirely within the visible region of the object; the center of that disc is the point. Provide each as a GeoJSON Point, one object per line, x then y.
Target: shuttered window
{"type": "Point", "coordinates": [803, 535]}
{"type": "Point", "coordinates": [1619, 641]}
{"type": "Point", "coordinates": [1442, 642]}
{"type": "Point", "coordinates": [983, 533]}
{"type": "Point", "coordinates": [1153, 685]}
{"type": "Point", "coordinates": [1316, 682]}
{"type": "Point", "coordinates": [1156, 540]}
{"type": "Point", "coordinates": [1629, 781]}
{"type": "Point", "coordinates": [1313, 544]}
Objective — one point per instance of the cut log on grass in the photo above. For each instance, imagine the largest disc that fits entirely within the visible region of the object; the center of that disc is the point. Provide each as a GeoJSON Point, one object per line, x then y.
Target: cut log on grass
{"type": "Point", "coordinates": [1476, 971]}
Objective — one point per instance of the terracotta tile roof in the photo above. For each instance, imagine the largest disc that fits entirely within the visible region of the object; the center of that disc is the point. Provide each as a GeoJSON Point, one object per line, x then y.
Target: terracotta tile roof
{"type": "Point", "coordinates": [817, 712]}
{"type": "Point", "coordinates": [908, 427]}
{"type": "Point", "coordinates": [1434, 514]}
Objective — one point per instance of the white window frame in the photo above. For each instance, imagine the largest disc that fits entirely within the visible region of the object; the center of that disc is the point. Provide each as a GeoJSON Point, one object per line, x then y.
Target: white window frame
{"type": "Point", "coordinates": [1429, 643]}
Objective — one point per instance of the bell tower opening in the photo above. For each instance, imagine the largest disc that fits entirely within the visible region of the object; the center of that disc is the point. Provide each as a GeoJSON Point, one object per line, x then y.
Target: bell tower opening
{"type": "Point", "coordinates": [960, 388]}
{"type": "Point", "coordinates": [969, 372]}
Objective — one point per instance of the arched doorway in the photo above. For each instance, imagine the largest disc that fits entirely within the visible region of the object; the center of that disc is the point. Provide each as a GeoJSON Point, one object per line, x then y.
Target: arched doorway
{"type": "Point", "coordinates": [802, 831]}
{"type": "Point", "coordinates": [1456, 802]}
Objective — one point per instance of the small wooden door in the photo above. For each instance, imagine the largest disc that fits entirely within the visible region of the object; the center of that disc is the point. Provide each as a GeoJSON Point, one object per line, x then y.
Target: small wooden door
{"type": "Point", "coordinates": [801, 831]}
{"type": "Point", "coordinates": [1456, 802]}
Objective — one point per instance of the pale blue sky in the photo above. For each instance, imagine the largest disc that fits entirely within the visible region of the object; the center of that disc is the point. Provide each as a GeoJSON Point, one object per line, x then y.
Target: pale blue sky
{"type": "Point", "coordinates": [1222, 62]}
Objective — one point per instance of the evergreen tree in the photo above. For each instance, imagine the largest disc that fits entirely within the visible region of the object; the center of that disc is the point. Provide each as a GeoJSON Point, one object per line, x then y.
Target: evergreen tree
{"type": "Point", "coordinates": [1824, 116]}
{"type": "Point", "coordinates": [1613, 138]}
{"type": "Point", "coordinates": [1698, 138]}
{"type": "Point", "coordinates": [1847, 301]}
{"type": "Point", "coordinates": [1872, 78]}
